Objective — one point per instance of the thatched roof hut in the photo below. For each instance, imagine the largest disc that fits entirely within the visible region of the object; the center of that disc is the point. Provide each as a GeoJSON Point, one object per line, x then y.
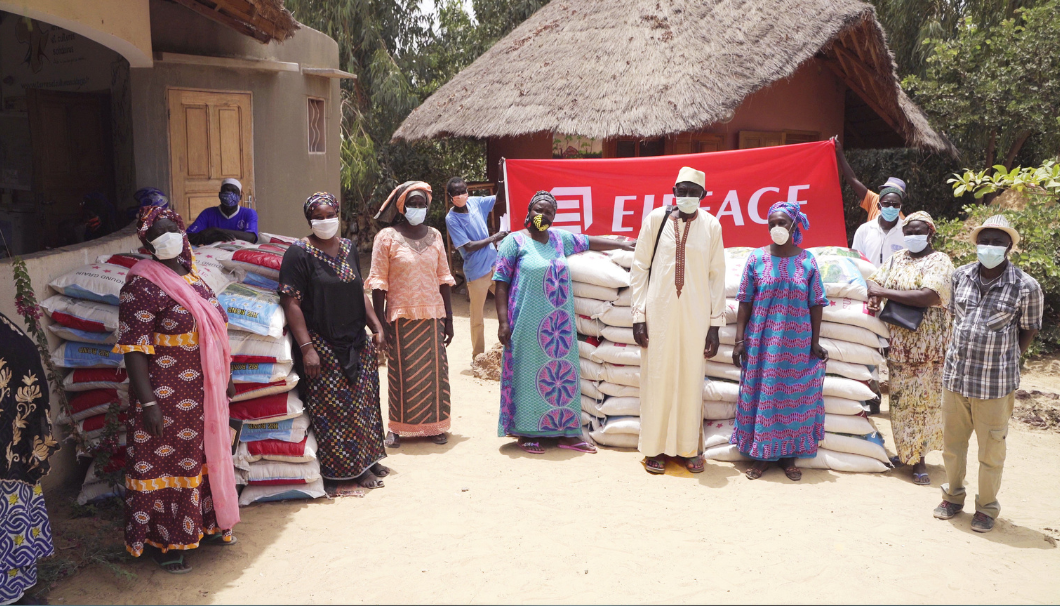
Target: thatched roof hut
{"type": "Point", "coordinates": [607, 69]}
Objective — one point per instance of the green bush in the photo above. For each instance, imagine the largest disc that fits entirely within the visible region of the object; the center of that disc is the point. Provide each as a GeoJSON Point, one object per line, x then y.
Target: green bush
{"type": "Point", "coordinates": [1038, 253]}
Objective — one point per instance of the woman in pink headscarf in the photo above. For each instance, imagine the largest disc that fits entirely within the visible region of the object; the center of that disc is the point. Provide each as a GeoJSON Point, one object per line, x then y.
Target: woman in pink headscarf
{"type": "Point", "coordinates": [179, 480]}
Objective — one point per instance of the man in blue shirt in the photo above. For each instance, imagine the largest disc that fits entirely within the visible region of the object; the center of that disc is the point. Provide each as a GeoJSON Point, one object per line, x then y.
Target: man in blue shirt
{"type": "Point", "coordinates": [226, 222]}
{"type": "Point", "coordinates": [468, 230]}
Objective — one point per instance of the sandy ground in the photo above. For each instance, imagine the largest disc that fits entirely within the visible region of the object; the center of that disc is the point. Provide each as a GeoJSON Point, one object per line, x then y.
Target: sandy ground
{"type": "Point", "coordinates": [478, 521]}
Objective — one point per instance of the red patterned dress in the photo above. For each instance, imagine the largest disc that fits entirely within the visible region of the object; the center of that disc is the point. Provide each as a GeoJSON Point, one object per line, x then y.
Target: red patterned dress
{"type": "Point", "coordinates": [167, 494]}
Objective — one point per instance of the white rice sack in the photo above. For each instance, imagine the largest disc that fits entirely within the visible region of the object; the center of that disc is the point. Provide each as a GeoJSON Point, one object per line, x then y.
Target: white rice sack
{"type": "Point", "coordinates": [720, 370]}
{"type": "Point", "coordinates": [721, 391]}
{"type": "Point", "coordinates": [588, 326]}
{"type": "Point", "coordinates": [285, 492]}
{"type": "Point", "coordinates": [727, 334]}
{"type": "Point", "coordinates": [621, 407]}
{"type": "Point", "coordinates": [850, 334]}
{"type": "Point", "coordinates": [857, 372]}
{"type": "Point", "coordinates": [288, 430]}
{"type": "Point", "coordinates": [267, 238]}
{"type": "Point", "coordinates": [590, 307]}
{"type": "Point", "coordinates": [849, 424]}
{"type": "Point", "coordinates": [717, 433]}
{"type": "Point", "coordinates": [718, 411]}
{"type": "Point", "coordinates": [96, 282]}
{"type": "Point", "coordinates": [88, 316]}
{"type": "Point", "coordinates": [303, 451]}
{"type": "Point", "coordinates": [591, 371]}
{"type": "Point", "coordinates": [624, 258]}
{"type": "Point", "coordinates": [735, 260]}
{"type": "Point", "coordinates": [72, 354]}
{"type": "Point", "coordinates": [592, 291]}
{"type": "Point", "coordinates": [842, 461]}
{"type": "Point", "coordinates": [732, 308]}
{"type": "Point", "coordinates": [854, 313]}
{"type": "Point", "coordinates": [592, 407]}
{"type": "Point", "coordinates": [620, 425]}
{"type": "Point", "coordinates": [623, 375]}
{"type": "Point", "coordinates": [724, 355]}
{"type": "Point", "coordinates": [590, 390]}
{"type": "Point", "coordinates": [858, 446]}
{"type": "Point", "coordinates": [839, 387]}
{"type": "Point", "coordinates": [250, 345]}
{"type": "Point", "coordinates": [621, 317]}
{"type": "Point", "coordinates": [852, 352]}
{"type": "Point", "coordinates": [587, 419]}
{"type": "Point", "coordinates": [259, 260]}
{"type": "Point", "coordinates": [725, 452]}
{"type": "Point", "coordinates": [615, 440]}
{"type": "Point", "coordinates": [253, 310]}
{"type": "Point", "coordinates": [625, 298]}
{"type": "Point", "coordinates": [842, 406]}
{"type": "Point", "coordinates": [618, 353]}
{"type": "Point", "coordinates": [618, 335]}
{"type": "Point", "coordinates": [250, 391]}
{"type": "Point", "coordinates": [842, 278]}
{"type": "Point", "coordinates": [597, 268]}
{"type": "Point", "coordinates": [218, 279]}
{"type": "Point", "coordinates": [864, 266]}
{"type": "Point", "coordinates": [81, 336]}
{"type": "Point", "coordinates": [98, 490]}
{"type": "Point", "coordinates": [619, 391]}
{"type": "Point", "coordinates": [261, 372]}
{"type": "Point", "coordinates": [585, 349]}
{"type": "Point", "coordinates": [276, 472]}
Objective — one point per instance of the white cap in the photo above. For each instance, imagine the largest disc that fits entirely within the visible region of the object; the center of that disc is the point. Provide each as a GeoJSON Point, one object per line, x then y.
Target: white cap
{"type": "Point", "coordinates": [691, 175]}
{"type": "Point", "coordinates": [235, 182]}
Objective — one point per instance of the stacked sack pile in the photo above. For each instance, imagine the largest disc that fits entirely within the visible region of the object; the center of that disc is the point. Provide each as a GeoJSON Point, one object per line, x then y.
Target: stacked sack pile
{"type": "Point", "coordinates": [610, 360]}
{"type": "Point", "coordinates": [276, 457]}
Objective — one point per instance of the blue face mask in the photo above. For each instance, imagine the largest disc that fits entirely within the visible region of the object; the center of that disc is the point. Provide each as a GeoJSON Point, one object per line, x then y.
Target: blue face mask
{"type": "Point", "coordinates": [991, 256]}
{"type": "Point", "coordinates": [889, 213]}
{"type": "Point", "coordinates": [229, 199]}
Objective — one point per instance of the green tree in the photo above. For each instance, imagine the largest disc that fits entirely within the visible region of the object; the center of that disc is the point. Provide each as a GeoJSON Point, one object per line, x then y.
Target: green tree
{"type": "Point", "coordinates": [992, 88]}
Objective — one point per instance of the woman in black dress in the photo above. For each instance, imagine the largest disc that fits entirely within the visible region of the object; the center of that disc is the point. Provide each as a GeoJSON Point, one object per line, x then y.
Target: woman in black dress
{"type": "Point", "coordinates": [323, 296]}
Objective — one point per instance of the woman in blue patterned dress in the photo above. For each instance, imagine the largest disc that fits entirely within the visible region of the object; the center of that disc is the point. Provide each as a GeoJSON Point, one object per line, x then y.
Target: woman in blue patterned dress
{"type": "Point", "coordinates": [540, 390]}
{"type": "Point", "coordinates": [780, 415]}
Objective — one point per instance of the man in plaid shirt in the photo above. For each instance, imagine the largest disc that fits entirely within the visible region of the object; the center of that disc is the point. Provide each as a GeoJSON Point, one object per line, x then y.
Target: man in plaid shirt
{"type": "Point", "coordinates": [997, 311]}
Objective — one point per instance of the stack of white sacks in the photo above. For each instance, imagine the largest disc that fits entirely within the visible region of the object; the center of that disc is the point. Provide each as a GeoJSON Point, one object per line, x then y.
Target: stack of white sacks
{"type": "Point", "coordinates": [610, 360]}
{"type": "Point", "coordinates": [277, 452]}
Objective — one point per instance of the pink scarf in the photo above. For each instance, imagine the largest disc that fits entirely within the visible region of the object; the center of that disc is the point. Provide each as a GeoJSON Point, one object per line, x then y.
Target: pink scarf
{"type": "Point", "coordinates": [216, 356]}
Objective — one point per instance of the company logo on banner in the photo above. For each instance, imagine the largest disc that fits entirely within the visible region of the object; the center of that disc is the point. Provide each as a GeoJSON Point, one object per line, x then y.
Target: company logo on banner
{"type": "Point", "coordinates": [613, 196]}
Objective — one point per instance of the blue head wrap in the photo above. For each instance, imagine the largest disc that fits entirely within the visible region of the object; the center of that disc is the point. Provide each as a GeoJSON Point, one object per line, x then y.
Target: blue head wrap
{"type": "Point", "coordinates": [150, 196]}
{"type": "Point", "coordinates": [794, 212]}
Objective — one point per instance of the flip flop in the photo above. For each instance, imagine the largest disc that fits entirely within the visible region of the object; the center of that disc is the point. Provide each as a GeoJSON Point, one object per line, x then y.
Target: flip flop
{"type": "Point", "coordinates": [793, 473]}
{"type": "Point", "coordinates": [176, 559]}
{"type": "Point", "coordinates": [921, 479]}
{"type": "Point", "coordinates": [753, 473]}
{"type": "Point", "coordinates": [692, 466]}
{"type": "Point", "coordinates": [658, 469]}
{"type": "Point", "coordinates": [533, 448]}
{"type": "Point", "coordinates": [582, 446]}
{"type": "Point", "coordinates": [217, 538]}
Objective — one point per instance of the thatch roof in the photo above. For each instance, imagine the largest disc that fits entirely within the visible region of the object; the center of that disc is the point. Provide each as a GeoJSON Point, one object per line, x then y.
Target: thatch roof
{"type": "Point", "coordinates": [648, 68]}
{"type": "Point", "coordinates": [263, 20]}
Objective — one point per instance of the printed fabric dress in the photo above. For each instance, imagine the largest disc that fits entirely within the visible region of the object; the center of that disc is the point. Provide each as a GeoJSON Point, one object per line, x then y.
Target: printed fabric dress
{"type": "Point", "coordinates": [916, 358]}
{"type": "Point", "coordinates": [540, 389]}
{"type": "Point", "coordinates": [780, 413]}
{"type": "Point", "coordinates": [168, 503]}
{"type": "Point", "coordinates": [26, 443]}
{"type": "Point", "coordinates": [343, 401]}
{"type": "Point", "coordinates": [411, 271]}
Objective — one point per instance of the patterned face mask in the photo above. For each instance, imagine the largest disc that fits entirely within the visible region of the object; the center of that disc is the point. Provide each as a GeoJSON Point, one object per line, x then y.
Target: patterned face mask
{"type": "Point", "coordinates": [540, 224]}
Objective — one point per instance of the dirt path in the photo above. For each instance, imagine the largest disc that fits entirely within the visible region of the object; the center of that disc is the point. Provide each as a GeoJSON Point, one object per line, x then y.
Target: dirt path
{"type": "Point", "coordinates": [478, 521]}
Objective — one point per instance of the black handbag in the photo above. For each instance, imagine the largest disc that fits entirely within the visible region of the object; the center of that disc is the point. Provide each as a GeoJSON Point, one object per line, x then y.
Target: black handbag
{"type": "Point", "coordinates": [902, 315]}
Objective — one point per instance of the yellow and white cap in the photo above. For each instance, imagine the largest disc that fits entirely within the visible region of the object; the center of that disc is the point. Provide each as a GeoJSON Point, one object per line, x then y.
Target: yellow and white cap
{"type": "Point", "coordinates": [691, 175]}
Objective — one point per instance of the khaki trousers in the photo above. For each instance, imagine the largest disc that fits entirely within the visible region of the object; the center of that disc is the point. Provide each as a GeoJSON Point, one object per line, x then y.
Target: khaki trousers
{"type": "Point", "coordinates": [989, 420]}
{"type": "Point", "coordinates": [477, 291]}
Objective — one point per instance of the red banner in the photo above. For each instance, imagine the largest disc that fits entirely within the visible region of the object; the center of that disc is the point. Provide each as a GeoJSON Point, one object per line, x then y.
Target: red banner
{"type": "Point", "coordinates": [612, 196]}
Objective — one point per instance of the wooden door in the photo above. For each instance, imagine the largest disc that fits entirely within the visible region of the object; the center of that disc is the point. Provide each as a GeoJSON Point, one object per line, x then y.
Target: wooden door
{"type": "Point", "coordinates": [72, 156]}
{"type": "Point", "coordinates": [210, 139]}
{"type": "Point", "coordinates": [751, 138]}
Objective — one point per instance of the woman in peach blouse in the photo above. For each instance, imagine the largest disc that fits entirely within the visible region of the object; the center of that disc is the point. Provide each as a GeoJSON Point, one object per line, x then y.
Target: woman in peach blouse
{"type": "Point", "coordinates": [410, 281]}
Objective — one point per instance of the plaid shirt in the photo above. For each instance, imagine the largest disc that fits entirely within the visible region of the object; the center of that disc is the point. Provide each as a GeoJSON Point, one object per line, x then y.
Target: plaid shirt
{"type": "Point", "coordinates": [983, 360]}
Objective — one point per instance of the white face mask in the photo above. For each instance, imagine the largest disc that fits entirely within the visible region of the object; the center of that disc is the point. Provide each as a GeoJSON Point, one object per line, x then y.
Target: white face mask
{"type": "Point", "coordinates": [415, 216]}
{"type": "Point", "coordinates": [325, 229]}
{"type": "Point", "coordinates": [780, 235]}
{"type": "Point", "coordinates": [687, 205]}
{"type": "Point", "coordinates": [168, 245]}
{"type": "Point", "coordinates": [916, 243]}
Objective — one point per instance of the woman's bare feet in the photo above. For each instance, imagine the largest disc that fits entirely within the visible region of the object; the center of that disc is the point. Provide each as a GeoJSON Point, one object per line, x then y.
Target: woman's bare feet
{"type": "Point", "coordinates": [369, 480]}
{"type": "Point", "coordinates": [380, 470]}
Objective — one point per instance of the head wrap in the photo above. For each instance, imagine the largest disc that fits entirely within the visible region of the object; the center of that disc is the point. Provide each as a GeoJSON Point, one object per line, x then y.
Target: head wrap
{"type": "Point", "coordinates": [395, 202]}
{"type": "Point", "coordinates": [321, 197]}
{"type": "Point", "coordinates": [542, 195]}
{"type": "Point", "coordinates": [149, 215]}
{"type": "Point", "coordinates": [794, 212]}
{"type": "Point", "coordinates": [920, 215]}
{"type": "Point", "coordinates": [688, 174]}
{"type": "Point", "coordinates": [150, 196]}
{"type": "Point", "coordinates": [894, 185]}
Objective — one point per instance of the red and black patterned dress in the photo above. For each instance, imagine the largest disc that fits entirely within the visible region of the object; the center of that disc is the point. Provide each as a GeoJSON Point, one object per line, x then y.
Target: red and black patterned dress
{"type": "Point", "coordinates": [167, 500]}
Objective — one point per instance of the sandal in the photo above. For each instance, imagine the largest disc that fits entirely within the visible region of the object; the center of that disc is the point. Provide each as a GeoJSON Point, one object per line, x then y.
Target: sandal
{"type": "Point", "coordinates": [755, 471]}
{"type": "Point", "coordinates": [696, 464]}
{"type": "Point", "coordinates": [533, 448]}
{"type": "Point", "coordinates": [794, 473]}
{"type": "Point", "coordinates": [442, 438]}
{"type": "Point", "coordinates": [654, 465]}
{"type": "Point", "coordinates": [218, 538]}
{"type": "Point", "coordinates": [164, 560]}
{"type": "Point", "coordinates": [581, 446]}
{"type": "Point", "coordinates": [921, 479]}
{"type": "Point", "coordinates": [392, 440]}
